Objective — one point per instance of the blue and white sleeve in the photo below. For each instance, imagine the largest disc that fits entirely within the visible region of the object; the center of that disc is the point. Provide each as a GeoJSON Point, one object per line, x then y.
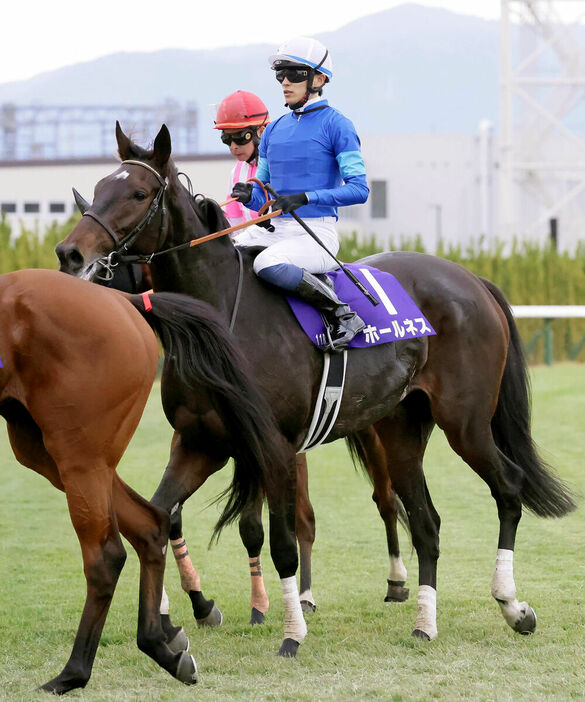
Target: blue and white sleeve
{"type": "Point", "coordinates": [347, 149]}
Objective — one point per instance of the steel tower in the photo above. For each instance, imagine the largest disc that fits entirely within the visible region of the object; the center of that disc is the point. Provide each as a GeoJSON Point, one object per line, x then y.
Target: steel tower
{"type": "Point", "coordinates": [542, 120]}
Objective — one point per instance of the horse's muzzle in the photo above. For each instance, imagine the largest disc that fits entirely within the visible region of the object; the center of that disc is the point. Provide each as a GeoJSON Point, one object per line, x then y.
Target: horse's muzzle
{"type": "Point", "coordinates": [70, 258]}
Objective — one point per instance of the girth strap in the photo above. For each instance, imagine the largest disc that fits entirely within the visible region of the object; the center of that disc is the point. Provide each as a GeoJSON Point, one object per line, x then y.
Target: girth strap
{"type": "Point", "coordinates": [328, 400]}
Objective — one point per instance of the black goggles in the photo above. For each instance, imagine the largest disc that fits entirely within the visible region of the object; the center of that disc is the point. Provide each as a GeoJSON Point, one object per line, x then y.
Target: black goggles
{"type": "Point", "coordinates": [240, 138]}
{"type": "Point", "coordinates": [293, 75]}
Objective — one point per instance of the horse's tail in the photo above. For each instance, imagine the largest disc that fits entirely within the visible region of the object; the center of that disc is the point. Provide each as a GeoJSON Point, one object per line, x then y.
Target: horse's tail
{"type": "Point", "coordinates": [203, 355]}
{"type": "Point", "coordinates": [542, 492]}
{"type": "Point", "coordinates": [360, 458]}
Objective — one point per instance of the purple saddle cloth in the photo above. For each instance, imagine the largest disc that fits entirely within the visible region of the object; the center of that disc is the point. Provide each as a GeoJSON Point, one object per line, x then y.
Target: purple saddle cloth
{"type": "Point", "coordinates": [395, 317]}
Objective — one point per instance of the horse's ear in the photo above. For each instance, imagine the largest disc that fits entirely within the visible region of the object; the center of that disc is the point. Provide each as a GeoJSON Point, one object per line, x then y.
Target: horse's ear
{"type": "Point", "coordinates": [162, 148]}
{"type": "Point", "coordinates": [124, 143]}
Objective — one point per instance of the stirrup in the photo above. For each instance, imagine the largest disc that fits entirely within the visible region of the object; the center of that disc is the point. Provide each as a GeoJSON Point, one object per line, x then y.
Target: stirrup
{"type": "Point", "coordinates": [340, 344]}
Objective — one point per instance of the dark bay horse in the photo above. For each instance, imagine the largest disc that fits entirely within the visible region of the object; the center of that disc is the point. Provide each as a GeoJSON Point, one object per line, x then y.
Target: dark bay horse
{"type": "Point", "coordinates": [133, 278]}
{"type": "Point", "coordinates": [77, 362]}
{"type": "Point", "coordinates": [470, 379]}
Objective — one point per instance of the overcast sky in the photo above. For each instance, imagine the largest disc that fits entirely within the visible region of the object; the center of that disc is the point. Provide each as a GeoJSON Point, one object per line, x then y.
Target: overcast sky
{"type": "Point", "coordinates": [55, 33]}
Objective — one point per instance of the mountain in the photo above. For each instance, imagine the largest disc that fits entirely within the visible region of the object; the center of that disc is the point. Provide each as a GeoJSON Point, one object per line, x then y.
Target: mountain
{"type": "Point", "coordinates": [407, 69]}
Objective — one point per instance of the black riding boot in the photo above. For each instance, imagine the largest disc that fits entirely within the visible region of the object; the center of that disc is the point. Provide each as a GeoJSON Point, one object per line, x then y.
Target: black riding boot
{"type": "Point", "coordinates": [342, 324]}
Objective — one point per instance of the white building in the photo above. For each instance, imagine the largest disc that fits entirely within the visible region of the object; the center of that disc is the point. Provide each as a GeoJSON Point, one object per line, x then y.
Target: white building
{"type": "Point", "coordinates": [436, 186]}
{"type": "Point", "coordinates": [35, 194]}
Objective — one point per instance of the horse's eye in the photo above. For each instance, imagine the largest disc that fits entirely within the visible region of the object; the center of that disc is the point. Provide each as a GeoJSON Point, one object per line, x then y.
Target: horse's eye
{"type": "Point", "coordinates": [139, 195]}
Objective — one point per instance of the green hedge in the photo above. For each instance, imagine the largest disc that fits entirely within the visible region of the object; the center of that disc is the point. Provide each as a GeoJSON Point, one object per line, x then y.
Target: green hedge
{"type": "Point", "coordinates": [31, 249]}
{"type": "Point", "coordinates": [528, 275]}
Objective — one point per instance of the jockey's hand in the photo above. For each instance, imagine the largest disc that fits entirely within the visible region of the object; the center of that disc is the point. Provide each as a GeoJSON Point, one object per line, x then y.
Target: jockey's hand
{"type": "Point", "coordinates": [242, 192]}
{"type": "Point", "coordinates": [267, 224]}
{"type": "Point", "coordinates": [288, 203]}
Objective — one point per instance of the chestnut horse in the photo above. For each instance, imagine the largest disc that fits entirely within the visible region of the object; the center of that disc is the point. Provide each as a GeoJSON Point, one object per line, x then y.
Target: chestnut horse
{"type": "Point", "coordinates": [470, 379]}
{"type": "Point", "coordinates": [77, 362]}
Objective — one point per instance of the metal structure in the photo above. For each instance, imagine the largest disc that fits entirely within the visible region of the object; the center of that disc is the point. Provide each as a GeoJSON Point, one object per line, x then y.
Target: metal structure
{"type": "Point", "coordinates": [54, 132]}
{"type": "Point", "coordinates": [542, 120]}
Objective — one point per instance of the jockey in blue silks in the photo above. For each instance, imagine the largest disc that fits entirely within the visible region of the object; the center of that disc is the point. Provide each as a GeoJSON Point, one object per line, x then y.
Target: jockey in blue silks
{"type": "Point", "coordinates": [311, 156]}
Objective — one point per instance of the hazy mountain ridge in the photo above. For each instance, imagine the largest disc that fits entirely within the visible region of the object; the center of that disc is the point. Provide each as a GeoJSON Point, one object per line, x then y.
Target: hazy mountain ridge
{"type": "Point", "coordinates": [407, 69]}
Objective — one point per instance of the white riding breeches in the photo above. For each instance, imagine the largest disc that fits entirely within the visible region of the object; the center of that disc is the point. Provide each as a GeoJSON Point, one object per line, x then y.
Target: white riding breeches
{"type": "Point", "coordinates": [290, 243]}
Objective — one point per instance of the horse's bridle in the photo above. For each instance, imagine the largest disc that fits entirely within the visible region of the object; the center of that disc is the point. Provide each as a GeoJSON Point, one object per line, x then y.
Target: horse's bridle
{"type": "Point", "coordinates": [110, 261]}
{"type": "Point", "coordinates": [113, 259]}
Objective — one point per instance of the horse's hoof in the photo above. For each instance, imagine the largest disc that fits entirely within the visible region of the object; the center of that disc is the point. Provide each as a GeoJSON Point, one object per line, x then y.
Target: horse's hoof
{"type": "Point", "coordinates": [420, 634]}
{"type": "Point", "coordinates": [289, 648]}
{"type": "Point", "coordinates": [187, 669]}
{"type": "Point", "coordinates": [527, 624]}
{"type": "Point", "coordinates": [214, 618]}
{"type": "Point", "coordinates": [63, 684]}
{"type": "Point", "coordinates": [257, 616]}
{"type": "Point", "coordinates": [396, 591]}
{"type": "Point", "coordinates": [308, 607]}
{"type": "Point", "coordinates": [180, 642]}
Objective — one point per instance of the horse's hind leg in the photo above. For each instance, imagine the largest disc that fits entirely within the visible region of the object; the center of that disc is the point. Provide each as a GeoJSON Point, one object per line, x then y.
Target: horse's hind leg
{"type": "Point", "coordinates": [404, 435]}
{"type": "Point", "coordinates": [90, 506]}
{"type": "Point", "coordinates": [186, 472]}
{"type": "Point", "coordinates": [473, 441]}
{"type": "Point", "coordinates": [252, 535]}
{"type": "Point", "coordinates": [146, 527]}
{"type": "Point", "coordinates": [103, 553]}
{"type": "Point", "coordinates": [375, 463]}
{"type": "Point", "coordinates": [206, 612]}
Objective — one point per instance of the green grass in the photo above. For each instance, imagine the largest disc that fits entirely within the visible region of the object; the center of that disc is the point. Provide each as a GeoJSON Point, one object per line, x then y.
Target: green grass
{"type": "Point", "coordinates": [357, 646]}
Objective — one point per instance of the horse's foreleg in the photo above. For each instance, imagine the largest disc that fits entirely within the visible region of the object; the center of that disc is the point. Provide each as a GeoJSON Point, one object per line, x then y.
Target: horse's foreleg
{"type": "Point", "coordinates": [305, 531]}
{"type": "Point", "coordinates": [146, 527]}
{"type": "Point", "coordinates": [283, 549]}
{"type": "Point", "coordinates": [386, 502]}
{"type": "Point", "coordinates": [89, 496]}
{"type": "Point", "coordinates": [185, 473]}
{"type": "Point", "coordinates": [252, 535]}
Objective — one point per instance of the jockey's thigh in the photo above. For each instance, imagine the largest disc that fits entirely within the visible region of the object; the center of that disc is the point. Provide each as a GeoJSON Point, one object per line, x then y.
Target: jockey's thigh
{"type": "Point", "coordinates": [293, 245]}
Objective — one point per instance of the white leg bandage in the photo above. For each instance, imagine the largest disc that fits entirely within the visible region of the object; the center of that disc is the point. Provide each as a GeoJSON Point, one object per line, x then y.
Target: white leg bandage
{"type": "Point", "coordinates": [164, 602]}
{"type": "Point", "coordinates": [426, 612]}
{"type": "Point", "coordinates": [397, 571]}
{"type": "Point", "coordinates": [295, 626]}
{"type": "Point", "coordinates": [504, 588]}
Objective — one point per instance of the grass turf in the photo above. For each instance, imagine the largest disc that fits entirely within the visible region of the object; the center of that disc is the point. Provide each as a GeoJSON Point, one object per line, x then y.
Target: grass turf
{"type": "Point", "coordinates": [358, 647]}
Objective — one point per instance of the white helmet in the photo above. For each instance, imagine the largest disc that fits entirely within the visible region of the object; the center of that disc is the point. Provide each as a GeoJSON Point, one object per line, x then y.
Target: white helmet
{"type": "Point", "coordinates": [303, 51]}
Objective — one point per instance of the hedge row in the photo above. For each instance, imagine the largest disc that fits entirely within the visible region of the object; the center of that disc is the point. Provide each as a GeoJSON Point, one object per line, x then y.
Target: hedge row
{"type": "Point", "coordinates": [529, 275]}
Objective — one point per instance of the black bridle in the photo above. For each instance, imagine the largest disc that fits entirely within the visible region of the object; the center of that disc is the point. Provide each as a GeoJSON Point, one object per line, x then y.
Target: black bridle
{"type": "Point", "coordinates": [122, 244]}
{"type": "Point", "coordinates": [114, 258]}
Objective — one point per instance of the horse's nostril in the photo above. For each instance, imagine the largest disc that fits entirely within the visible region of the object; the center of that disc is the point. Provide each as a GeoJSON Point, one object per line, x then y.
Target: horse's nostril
{"type": "Point", "coordinates": [70, 257]}
{"type": "Point", "coordinates": [75, 257]}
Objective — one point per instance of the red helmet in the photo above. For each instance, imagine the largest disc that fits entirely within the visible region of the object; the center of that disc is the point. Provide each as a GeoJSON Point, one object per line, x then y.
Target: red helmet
{"type": "Point", "coordinates": [241, 109]}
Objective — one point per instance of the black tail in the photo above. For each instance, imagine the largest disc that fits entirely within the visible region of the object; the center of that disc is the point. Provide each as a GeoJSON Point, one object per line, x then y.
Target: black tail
{"type": "Point", "coordinates": [542, 491]}
{"type": "Point", "coordinates": [204, 356]}
{"type": "Point", "coordinates": [359, 457]}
